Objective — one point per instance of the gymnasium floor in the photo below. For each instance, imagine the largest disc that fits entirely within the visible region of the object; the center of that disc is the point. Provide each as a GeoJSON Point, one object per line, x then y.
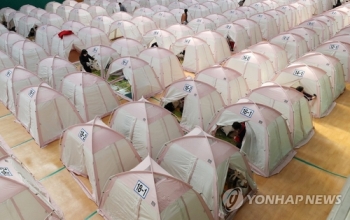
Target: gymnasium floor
{"type": "Point", "coordinates": [319, 168]}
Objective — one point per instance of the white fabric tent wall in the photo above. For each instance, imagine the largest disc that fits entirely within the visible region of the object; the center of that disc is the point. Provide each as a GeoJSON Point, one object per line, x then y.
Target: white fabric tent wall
{"type": "Point", "coordinates": [102, 22]}
{"type": "Point", "coordinates": [45, 113]}
{"type": "Point", "coordinates": [95, 11]}
{"type": "Point", "coordinates": [52, 70]}
{"type": "Point", "coordinates": [280, 18]}
{"type": "Point", "coordinates": [236, 33]}
{"type": "Point", "coordinates": [52, 6]}
{"type": "Point", "coordinates": [7, 40]}
{"type": "Point", "coordinates": [80, 15]}
{"type": "Point", "coordinates": [91, 36]}
{"type": "Point", "coordinates": [63, 47]}
{"type": "Point", "coordinates": [253, 30]}
{"type": "Point", "coordinates": [127, 47]}
{"type": "Point", "coordinates": [309, 35]}
{"type": "Point", "coordinates": [292, 105]}
{"type": "Point", "coordinates": [103, 55]}
{"type": "Point", "coordinates": [340, 17]}
{"type": "Point", "coordinates": [233, 15]}
{"type": "Point", "coordinates": [143, 12]}
{"type": "Point", "coordinates": [198, 11]}
{"type": "Point", "coordinates": [163, 38]}
{"type": "Point", "coordinates": [291, 14]}
{"type": "Point", "coordinates": [267, 24]}
{"type": "Point", "coordinates": [52, 19]}
{"type": "Point", "coordinates": [3, 29]}
{"type": "Point", "coordinates": [229, 83]}
{"type": "Point", "coordinates": [37, 13]}
{"type": "Point", "coordinates": [260, 7]}
{"type": "Point", "coordinates": [255, 67]}
{"type": "Point", "coordinates": [248, 11]}
{"type": "Point", "coordinates": [44, 35]}
{"type": "Point", "coordinates": [12, 81]}
{"type": "Point", "coordinates": [180, 31]}
{"type": "Point", "coordinates": [74, 26]}
{"type": "Point", "coordinates": [178, 13]}
{"type": "Point", "coordinates": [302, 12]}
{"type": "Point", "coordinates": [320, 27]}
{"type": "Point", "coordinates": [213, 7]}
{"type": "Point", "coordinates": [25, 24]}
{"type": "Point", "coordinates": [144, 24]}
{"type": "Point", "coordinates": [218, 19]}
{"type": "Point", "coordinates": [197, 97]}
{"type": "Point", "coordinates": [121, 15]}
{"type": "Point", "coordinates": [5, 61]}
{"type": "Point", "coordinates": [63, 11]}
{"type": "Point", "coordinates": [124, 29]}
{"type": "Point", "coordinates": [330, 22]}
{"type": "Point", "coordinates": [90, 94]}
{"type": "Point", "coordinates": [201, 24]}
{"type": "Point", "coordinates": [315, 81]}
{"type": "Point", "coordinates": [164, 19]}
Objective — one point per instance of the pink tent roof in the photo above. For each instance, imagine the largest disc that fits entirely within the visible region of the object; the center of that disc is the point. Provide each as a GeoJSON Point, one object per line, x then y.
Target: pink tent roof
{"type": "Point", "coordinates": [218, 19]}
{"type": "Point", "coordinates": [344, 38]}
{"type": "Point", "coordinates": [313, 73]}
{"type": "Point", "coordinates": [144, 24]}
{"type": "Point", "coordinates": [80, 15]}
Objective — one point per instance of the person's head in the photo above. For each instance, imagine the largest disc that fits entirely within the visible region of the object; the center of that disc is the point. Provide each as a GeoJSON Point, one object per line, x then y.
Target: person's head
{"type": "Point", "coordinates": [84, 52]}
{"type": "Point", "coordinates": [300, 88]}
{"type": "Point", "coordinates": [120, 3]}
{"type": "Point", "coordinates": [236, 126]}
{"type": "Point", "coordinates": [185, 10]}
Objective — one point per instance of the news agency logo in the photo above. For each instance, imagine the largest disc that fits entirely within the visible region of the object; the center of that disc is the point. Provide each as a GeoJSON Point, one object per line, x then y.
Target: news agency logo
{"type": "Point", "coordinates": [233, 199]}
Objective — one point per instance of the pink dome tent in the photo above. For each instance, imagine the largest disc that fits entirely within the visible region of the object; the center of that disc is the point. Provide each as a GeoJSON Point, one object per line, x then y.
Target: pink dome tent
{"type": "Point", "coordinates": [51, 7]}
{"type": "Point", "coordinates": [163, 38]}
{"type": "Point", "coordinates": [293, 44]}
{"type": "Point", "coordinates": [124, 29]}
{"type": "Point", "coordinates": [81, 5]}
{"type": "Point", "coordinates": [52, 19]}
{"type": "Point", "coordinates": [120, 15]}
{"type": "Point", "coordinates": [102, 22]}
{"type": "Point", "coordinates": [233, 15]}
{"type": "Point", "coordinates": [330, 22]}
{"type": "Point", "coordinates": [280, 18]}
{"type": "Point", "coordinates": [91, 36]}
{"type": "Point", "coordinates": [96, 11]}
{"type": "Point", "coordinates": [51, 70]}
{"type": "Point", "coordinates": [345, 38]}
{"type": "Point", "coordinates": [260, 7]}
{"type": "Point", "coordinates": [340, 17]}
{"type": "Point", "coordinates": [339, 50]}
{"type": "Point", "coordinates": [74, 26]}
{"type": "Point", "coordinates": [292, 105]}
{"type": "Point", "coordinates": [147, 12]}
{"type": "Point", "coordinates": [266, 131]}
{"type": "Point", "coordinates": [229, 83]}
{"type": "Point", "coordinates": [272, 4]}
{"type": "Point", "coordinates": [217, 19]}
{"type": "Point", "coordinates": [49, 114]}
{"type": "Point", "coordinates": [217, 44]}
{"type": "Point", "coordinates": [320, 27]}
{"type": "Point", "coordinates": [139, 74]}
{"type": "Point", "coordinates": [81, 16]}
{"type": "Point", "coordinates": [12, 81]}
{"type": "Point", "coordinates": [198, 11]}
{"type": "Point", "coordinates": [127, 47]}
{"type": "Point", "coordinates": [152, 126]}
{"type": "Point", "coordinates": [156, 182]}
{"type": "Point", "coordinates": [180, 31]}
{"type": "Point", "coordinates": [5, 61]}
{"type": "Point", "coordinates": [164, 19]}
{"type": "Point", "coordinates": [7, 40]}
{"type": "Point", "coordinates": [237, 33]}
{"type": "Point", "coordinates": [164, 63]}
{"type": "Point", "coordinates": [267, 24]}
{"type": "Point", "coordinates": [87, 155]}
{"type": "Point", "coordinates": [103, 55]}
{"type": "Point", "coordinates": [213, 7]}
{"type": "Point", "coordinates": [198, 54]}
{"type": "Point", "coordinates": [44, 35]}
{"type": "Point", "coordinates": [64, 46]}
{"type": "Point", "coordinates": [331, 65]}
{"type": "Point", "coordinates": [63, 11]}
{"type": "Point", "coordinates": [302, 11]}
{"type": "Point", "coordinates": [291, 14]}
{"type": "Point", "coordinates": [91, 95]}
{"type": "Point", "coordinates": [37, 13]}
{"type": "Point", "coordinates": [344, 9]}
{"type": "Point", "coordinates": [345, 30]}
{"type": "Point", "coordinates": [309, 35]}
{"type": "Point", "coordinates": [27, 54]}
{"type": "Point", "coordinates": [25, 24]}
{"type": "Point", "coordinates": [315, 81]}
{"type": "Point", "coordinates": [276, 54]}
{"type": "Point", "coordinates": [197, 97]}
{"type": "Point", "coordinates": [252, 28]}
{"type": "Point", "coordinates": [248, 11]}
{"type": "Point", "coordinates": [313, 7]}
{"type": "Point", "coordinates": [144, 24]}
{"type": "Point", "coordinates": [255, 67]}
{"type": "Point", "coordinates": [201, 24]}
{"type": "Point", "coordinates": [215, 158]}
{"type": "Point", "coordinates": [178, 13]}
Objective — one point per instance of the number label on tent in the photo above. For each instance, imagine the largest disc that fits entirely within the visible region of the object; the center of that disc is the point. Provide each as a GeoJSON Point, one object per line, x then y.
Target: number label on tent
{"type": "Point", "coordinates": [247, 112]}
{"type": "Point", "coordinates": [125, 62]}
{"type": "Point", "coordinates": [95, 50]}
{"type": "Point", "coordinates": [256, 4]}
{"type": "Point", "coordinates": [199, 20]}
{"type": "Point", "coordinates": [246, 58]}
{"type": "Point", "coordinates": [299, 73]}
{"type": "Point", "coordinates": [228, 26]}
{"type": "Point", "coordinates": [4, 171]}
{"type": "Point", "coordinates": [8, 74]}
{"type": "Point", "coordinates": [188, 88]}
{"type": "Point", "coordinates": [31, 93]}
{"type": "Point", "coordinates": [333, 12]}
{"type": "Point", "coordinates": [141, 189]}
{"type": "Point", "coordinates": [155, 32]}
{"type": "Point", "coordinates": [83, 134]}
{"type": "Point", "coordinates": [160, 14]}
{"type": "Point", "coordinates": [285, 38]}
{"type": "Point", "coordinates": [284, 8]}
{"type": "Point", "coordinates": [260, 15]}
{"type": "Point", "coordinates": [187, 41]}
{"type": "Point", "coordinates": [311, 23]}
{"type": "Point", "coordinates": [334, 46]}
{"type": "Point", "coordinates": [232, 11]}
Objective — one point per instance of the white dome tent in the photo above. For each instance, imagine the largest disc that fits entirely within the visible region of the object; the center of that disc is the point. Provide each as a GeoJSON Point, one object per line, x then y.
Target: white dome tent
{"type": "Point", "coordinates": [96, 11]}
{"type": "Point", "coordinates": [5, 61]}
{"type": "Point", "coordinates": [164, 19]}
{"type": "Point", "coordinates": [237, 33]}
{"type": "Point", "coordinates": [291, 14]}
{"type": "Point", "coordinates": [276, 54]}
{"type": "Point", "coordinates": [52, 70]}
{"type": "Point", "coordinates": [320, 27]}
{"type": "Point", "coordinates": [127, 47]}
{"type": "Point", "coordinates": [144, 24]}
{"type": "Point", "coordinates": [13, 19]}
{"type": "Point", "coordinates": [121, 15]}
{"type": "Point", "coordinates": [149, 128]}
{"type": "Point", "coordinates": [63, 46]}
{"type": "Point", "coordinates": [198, 11]}
{"type": "Point", "coordinates": [91, 95]}
{"type": "Point", "coordinates": [233, 15]}
{"type": "Point", "coordinates": [44, 35]}
{"type": "Point", "coordinates": [302, 11]}
{"type": "Point", "coordinates": [213, 7]}
{"type": "Point", "coordinates": [178, 13]}
{"type": "Point", "coordinates": [330, 22]}
{"type": "Point", "coordinates": [98, 155]}
{"type": "Point", "coordinates": [82, 5]}
{"type": "Point", "coordinates": [139, 74]}
{"type": "Point", "coordinates": [112, 8]}
{"type": "Point", "coordinates": [3, 29]}
{"type": "Point", "coordinates": [201, 24]}
{"type": "Point", "coordinates": [331, 65]}
{"type": "Point", "coordinates": [197, 97]}
{"type": "Point", "coordinates": [292, 105]}
{"type": "Point", "coordinates": [197, 53]}
{"type": "Point", "coordinates": [63, 11]}
{"type": "Point", "coordinates": [51, 7]}
{"type": "Point", "coordinates": [103, 55]}
{"type": "Point", "coordinates": [102, 22]}
{"type": "Point", "coordinates": [91, 36]}
{"type": "Point", "coordinates": [147, 12]}
{"type": "Point", "coordinates": [164, 63]}
{"type": "Point", "coordinates": [177, 5]}
{"type": "Point", "coordinates": [272, 4]}
{"type": "Point", "coordinates": [248, 11]}
{"type": "Point", "coordinates": [49, 113]}
{"type": "Point", "coordinates": [252, 28]}
{"type": "Point", "coordinates": [73, 26]}
{"type": "Point", "coordinates": [280, 18]}
{"type": "Point", "coordinates": [260, 7]}
{"type": "Point", "coordinates": [255, 67]}
{"type": "Point", "coordinates": [218, 19]}
{"type": "Point", "coordinates": [293, 44]}
{"type": "Point", "coordinates": [180, 31]}
{"type": "Point", "coordinates": [227, 4]}
{"type": "Point", "coordinates": [267, 24]}
{"type": "Point", "coordinates": [163, 38]}
{"type": "Point", "coordinates": [25, 24]}
{"type": "Point", "coordinates": [266, 131]}
{"type": "Point", "coordinates": [52, 19]}
{"type": "Point", "coordinates": [124, 29]}
{"type": "Point", "coordinates": [7, 40]}
{"type": "Point", "coordinates": [309, 35]}
{"type": "Point", "coordinates": [69, 3]}
{"type": "Point", "coordinates": [229, 83]}
{"type": "Point", "coordinates": [12, 81]}
{"type": "Point", "coordinates": [26, 9]}
{"type": "Point", "coordinates": [340, 17]}
{"type": "Point", "coordinates": [159, 8]}
{"type": "Point", "coordinates": [81, 16]}
{"type": "Point", "coordinates": [315, 81]}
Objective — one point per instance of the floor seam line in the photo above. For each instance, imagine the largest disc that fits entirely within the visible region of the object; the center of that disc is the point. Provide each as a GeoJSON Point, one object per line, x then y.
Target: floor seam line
{"type": "Point", "coordinates": [5, 115]}
{"type": "Point", "coordinates": [21, 143]}
{"type": "Point", "coordinates": [52, 174]}
{"type": "Point", "coordinates": [92, 214]}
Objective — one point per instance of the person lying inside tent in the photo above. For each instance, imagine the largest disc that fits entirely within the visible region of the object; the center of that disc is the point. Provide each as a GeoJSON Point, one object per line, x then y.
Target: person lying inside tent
{"type": "Point", "coordinates": [85, 60]}
{"type": "Point", "coordinates": [231, 43]}
{"type": "Point", "coordinates": [306, 95]}
{"type": "Point", "coordinates": [238, 133]}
